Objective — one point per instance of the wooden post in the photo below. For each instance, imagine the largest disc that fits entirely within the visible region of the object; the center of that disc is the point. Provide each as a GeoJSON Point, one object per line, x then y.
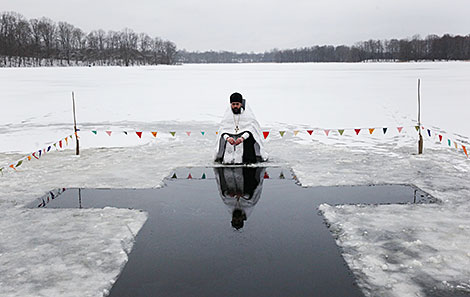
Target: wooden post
{"type": "Point", "coordinates": [420, 141]}
{"type": "Point", "coordinates": [77, 149]}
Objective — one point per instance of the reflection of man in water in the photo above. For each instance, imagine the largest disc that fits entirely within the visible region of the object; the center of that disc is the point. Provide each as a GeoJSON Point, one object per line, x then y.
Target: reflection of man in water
{"type": "Point", "coordinates": [240, 138]}
{"type": "Point", "coordinates": [240, 189]}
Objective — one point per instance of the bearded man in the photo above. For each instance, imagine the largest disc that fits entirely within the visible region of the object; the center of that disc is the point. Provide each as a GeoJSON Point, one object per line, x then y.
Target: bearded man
{"type": "Point", "coordinates": [240, 138]}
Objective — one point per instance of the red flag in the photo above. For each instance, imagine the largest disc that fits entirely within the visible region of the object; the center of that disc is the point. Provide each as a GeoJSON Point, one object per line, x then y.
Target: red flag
{"type": "Point", "coordinates": [357, 131]}
{"type": "Point", "coordinates": [109, 132]}
{"type": "Point", "coordinates": [465, 150]}
{"type": "Point", "coordinates": [399, 129]}
{"type": "Point", "coordinates": [265, 134]}
{"type": "Point", "coordinates": [440, 137]}
{"type": "Point", "coordinates": [60, 143]}
{"type": "Point", "coordinates": [310, 132]}
{"type": "Point", "coordinates": [190, 176]}
{"type": "Point", "coordinates": [189, 133]}
{"type": "Point", "coordinates": [35, 155]}
{"type": "Point", "coordinates": [266, 176]}
{"type": "Point", "coordinates": [139, 134]}
{"type": "Point", "coordinates": [12, 166]}
{"type": "Point", "coordinates": [327, 132]}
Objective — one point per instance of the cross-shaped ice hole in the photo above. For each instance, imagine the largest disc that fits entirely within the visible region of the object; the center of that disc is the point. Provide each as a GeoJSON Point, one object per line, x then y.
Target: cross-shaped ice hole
{"type": "Point", "coordinates": [234, 231]}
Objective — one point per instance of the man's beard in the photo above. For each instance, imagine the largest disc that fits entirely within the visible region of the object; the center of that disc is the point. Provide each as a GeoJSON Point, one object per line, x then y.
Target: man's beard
{"type": "Point", "coordinates": [236, 110]}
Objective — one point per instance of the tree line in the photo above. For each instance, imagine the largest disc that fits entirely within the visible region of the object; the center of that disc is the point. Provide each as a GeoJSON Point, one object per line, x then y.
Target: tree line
{"type": "Point", "coordinates": [432, 48]}
{"type": "Point", "coordinates": [43, 42]}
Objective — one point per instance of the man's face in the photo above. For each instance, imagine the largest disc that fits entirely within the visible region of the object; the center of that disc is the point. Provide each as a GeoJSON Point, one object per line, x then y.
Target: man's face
{"type": "Point", "coordinates": [236, 107]}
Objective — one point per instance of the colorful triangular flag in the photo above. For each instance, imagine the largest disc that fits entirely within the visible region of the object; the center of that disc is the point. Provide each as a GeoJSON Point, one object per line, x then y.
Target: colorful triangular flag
{"type": "Point", "coordinates": [417, 128]}
{"type": "Point", "coordinates": [202, 132]}
{"type": "Point", "coordinates": [49, 148]}
{"type": "Point", "coordinates": [34, 155]}
{"type": "Point", "coordinates": [66, 141]}
{"type": "Point", "coordinates": [29, 158]}
{"type": "Point", "coordinates": [448, 142]}
{"type": "Point", "coordinates": [371, 130]}
{"type": "Point", "coordinates": [12, 166]}
{"type": "Point", "coordinates": [19, 163]}
{"type": "Point", "coordinates": [266, 175]}
{"type": "Point", "coordinates": [357, 131]}
{"type": "Point", "coordinates": [282, 133]}
{"type": "Point", "coordinates": [399, 129]}
{"type": "Point", "coordinates": [60, 143]}
{"type": "Point", "coordinates": [94, 132]}
{"type": "Point", "coordinates": [281, 176]}
{"type": "Point", "coordinates": [327, 132]}
{"type": "Point", "coordinates": [190, 176]}
{"type": "Point", "coordinates": [296, 132]}
{"type": "Point", "coordinates": [188, 133]}
{"type": "Point", "coordinates": [139, 134]}
{"type": "Point", "coordinates": [154, 134]}
{"type": "Point", "coordinates": [310, 132]}
{"type": "Point", "coordinates": [109, 132]}
{"type": "Point", "coordinates": [203, 176]}
{"type": "Point", "coordinates": [429, 133]}
{"type": "Point", "coordinates": [125, 132]}
{"type": "Point", "coordinates": [440, 138]}
{"type": "Point", "coordinates": [463, 147]}
{"type": "Point", "coordinates": [265, 134]}
{"type": "Point", "coordinates": [174, 175]}
{"type": "Point", "coordinates": [385, 130]}
{"type": "Point", "coordinates": [172, 133]}
{"type": "Point", "coordinates": [455, 144]}
{"type": "Point", "coordinates": [341, 131]}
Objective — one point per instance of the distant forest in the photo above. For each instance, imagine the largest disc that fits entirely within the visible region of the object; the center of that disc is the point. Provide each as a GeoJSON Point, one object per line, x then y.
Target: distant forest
{"type": "Point", "coordinates": [431, 48]}
{"type": "Point", "coordinates": [43, 42]}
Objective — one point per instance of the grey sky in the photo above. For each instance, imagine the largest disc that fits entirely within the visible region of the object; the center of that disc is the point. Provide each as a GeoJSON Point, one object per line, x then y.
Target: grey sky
{"type": "Point", "coordinates": [257, 25]}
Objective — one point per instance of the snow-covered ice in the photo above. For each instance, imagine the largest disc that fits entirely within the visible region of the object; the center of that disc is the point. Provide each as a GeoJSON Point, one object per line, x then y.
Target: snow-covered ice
{"type": "Point", "coordinates": [394, 250]}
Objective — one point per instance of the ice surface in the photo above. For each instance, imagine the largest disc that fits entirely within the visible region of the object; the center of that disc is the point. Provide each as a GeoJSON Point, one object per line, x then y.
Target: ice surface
{"type": "Point", "coordinates": [394, 250]}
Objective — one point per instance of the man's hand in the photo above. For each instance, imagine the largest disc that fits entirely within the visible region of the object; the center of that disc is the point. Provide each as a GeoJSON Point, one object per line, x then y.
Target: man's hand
{"type": "Point", "coordinates": [231, 140]}
{"type": "Point", "coordinates": [239, 140]}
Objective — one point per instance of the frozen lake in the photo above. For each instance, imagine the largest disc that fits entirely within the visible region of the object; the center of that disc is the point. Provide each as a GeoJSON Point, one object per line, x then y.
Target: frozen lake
{"type": "Point", "coordinates": [55, 252]}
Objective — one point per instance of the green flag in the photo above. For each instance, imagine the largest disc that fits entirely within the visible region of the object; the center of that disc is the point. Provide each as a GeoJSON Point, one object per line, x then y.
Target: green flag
{"type": "Point", "coordinates": [448, 141]}
{"type": "Point", "coordinates": [202, 132]}
{"type": "Point", "coordinates": [282, 133]}
{"type": "Point", "coordinates": [19, 163]}
{"type": "Point", "coordinates": [172, 133]}
{"type": "Point", "coordinates": [417, 128]}
{"type": "Point", "coordinates": [94, 131]}
{"type": "Point", "coordinates": [203, 176]}
{"type": "Point", "coordinates": [341, 131]}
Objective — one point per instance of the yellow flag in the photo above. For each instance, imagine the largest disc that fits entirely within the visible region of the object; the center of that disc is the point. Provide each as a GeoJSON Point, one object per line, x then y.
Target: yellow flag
{"type": "Point", "coordinates": [371, 131]}
{"type": "Point", "coordinates": [296, 132]}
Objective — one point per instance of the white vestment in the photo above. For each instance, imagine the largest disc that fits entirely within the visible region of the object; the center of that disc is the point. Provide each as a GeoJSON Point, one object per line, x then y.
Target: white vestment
{"type": "Point", "coordinates": [246, 123]}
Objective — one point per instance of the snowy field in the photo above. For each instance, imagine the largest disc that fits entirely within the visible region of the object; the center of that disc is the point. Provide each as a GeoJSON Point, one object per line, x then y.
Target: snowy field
{"type": "Point", "coordinates": [394, 250]}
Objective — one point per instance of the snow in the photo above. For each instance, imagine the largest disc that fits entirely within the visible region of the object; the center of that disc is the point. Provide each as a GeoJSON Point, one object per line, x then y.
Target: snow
{"type": "Point", "coordinates": [394, 250]}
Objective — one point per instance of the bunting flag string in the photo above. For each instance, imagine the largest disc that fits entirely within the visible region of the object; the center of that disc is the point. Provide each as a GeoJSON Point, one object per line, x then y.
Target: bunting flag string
{"type": "Point", "coordinates": [311, 132]}
{"type": "Point", "coordinates": [39, 153]}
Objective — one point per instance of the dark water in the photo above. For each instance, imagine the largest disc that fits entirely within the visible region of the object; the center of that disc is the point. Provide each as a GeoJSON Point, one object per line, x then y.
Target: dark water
{"type": "Point", "coordinates": [234, 232]}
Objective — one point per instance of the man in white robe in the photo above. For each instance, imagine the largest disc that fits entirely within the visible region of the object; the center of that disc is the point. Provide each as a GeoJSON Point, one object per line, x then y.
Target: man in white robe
{"type": "Point", "coordinates": [240, 139]}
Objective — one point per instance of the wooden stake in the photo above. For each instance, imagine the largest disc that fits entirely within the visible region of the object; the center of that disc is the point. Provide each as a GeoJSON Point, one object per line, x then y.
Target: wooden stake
{"type": "Point", "coordinates": [420, 141]}
{"type": "Point", "coordinates": [77, 149]}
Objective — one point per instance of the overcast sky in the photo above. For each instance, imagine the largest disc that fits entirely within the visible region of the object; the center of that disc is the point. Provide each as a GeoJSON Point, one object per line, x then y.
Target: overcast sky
{"type": "Point", "coordinates": [257, 25]}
